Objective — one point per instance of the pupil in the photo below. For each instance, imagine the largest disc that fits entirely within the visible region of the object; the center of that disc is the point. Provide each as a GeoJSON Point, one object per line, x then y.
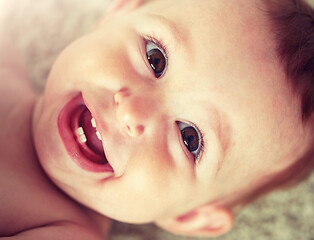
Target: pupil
{"type": "Point", "coordinates": [190, 138]}
{"type": "Point", "coordinates": [157, 61]}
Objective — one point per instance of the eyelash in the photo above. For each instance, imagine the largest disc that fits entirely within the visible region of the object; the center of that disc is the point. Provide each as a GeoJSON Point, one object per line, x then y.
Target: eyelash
{"type": "Point", "coordinates": [201, 148]}
{"type": "Point", "coordinates": [159, 43]}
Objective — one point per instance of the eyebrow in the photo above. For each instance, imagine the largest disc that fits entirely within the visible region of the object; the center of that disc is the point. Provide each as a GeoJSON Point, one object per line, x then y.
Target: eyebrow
{"type": "Point", "coordinates": [224, 133]}
{"type": "Point", "coordinates": [216, 121]}
{"type": "Point", "coordinates": [179, 36]}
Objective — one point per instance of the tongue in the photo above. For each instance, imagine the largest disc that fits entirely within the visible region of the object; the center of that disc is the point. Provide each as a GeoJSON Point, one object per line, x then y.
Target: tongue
{"type": "Point", "coordinates": [90, 132]}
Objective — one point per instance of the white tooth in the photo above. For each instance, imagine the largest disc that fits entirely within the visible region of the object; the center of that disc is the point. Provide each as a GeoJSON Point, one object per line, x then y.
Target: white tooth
{"type": "Point", "coordinates": [98, 135]}
{"type": "Point", "coordinates": [93, 122]}
{"type": "Point", "coordinates": [79, 131]}
{"type": "Point", "coordinates": [82, 138]}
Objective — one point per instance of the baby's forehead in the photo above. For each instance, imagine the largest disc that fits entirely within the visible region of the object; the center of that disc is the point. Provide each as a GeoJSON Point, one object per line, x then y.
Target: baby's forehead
{"type": "Point", "coordinates": [195, 11]}
{"type": "Point", "coordinates": [244, 23]}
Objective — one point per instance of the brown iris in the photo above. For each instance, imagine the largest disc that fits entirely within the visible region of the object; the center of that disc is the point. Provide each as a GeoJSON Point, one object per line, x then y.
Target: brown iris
{"type": "Point", "coordinates": [190, 138]}
{"type": "Point", "coordinates": [157, 61]}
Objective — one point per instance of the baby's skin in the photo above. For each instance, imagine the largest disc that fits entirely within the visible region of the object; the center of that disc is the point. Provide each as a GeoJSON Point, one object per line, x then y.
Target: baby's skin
{"type": "Point", "coordinates": [31, 206]}
{"type": "Point", "coordinates": [167, 112]}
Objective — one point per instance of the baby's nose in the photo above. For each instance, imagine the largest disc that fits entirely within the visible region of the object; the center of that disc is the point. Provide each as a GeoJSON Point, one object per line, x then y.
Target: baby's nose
{"type": "Point", "coordinates": [132, 112]}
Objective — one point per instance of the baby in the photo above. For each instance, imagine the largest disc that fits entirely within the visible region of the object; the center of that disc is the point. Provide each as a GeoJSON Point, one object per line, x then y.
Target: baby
{"type": "Point", "coordinates": [174, 112]}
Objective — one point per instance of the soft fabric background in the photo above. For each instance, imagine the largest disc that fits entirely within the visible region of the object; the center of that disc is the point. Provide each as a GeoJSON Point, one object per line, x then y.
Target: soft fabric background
{"type": "Point", "coordinates": [41, 29]}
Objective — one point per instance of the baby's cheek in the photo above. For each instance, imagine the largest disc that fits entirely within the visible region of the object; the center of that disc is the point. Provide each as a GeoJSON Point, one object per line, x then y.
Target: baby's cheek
{"type": "Point", "coordinates": [148, 179]}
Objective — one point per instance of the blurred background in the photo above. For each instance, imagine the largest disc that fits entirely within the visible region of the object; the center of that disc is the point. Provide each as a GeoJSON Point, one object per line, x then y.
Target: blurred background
{"type": "Point", "coordinates": [41, 29]}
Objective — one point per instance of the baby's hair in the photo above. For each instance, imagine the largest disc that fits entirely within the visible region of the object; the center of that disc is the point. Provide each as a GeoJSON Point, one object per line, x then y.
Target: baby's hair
{"type": "Point", "coordinates": [292, 23]}
{"type": "Point", "coordinates": [292, 28]}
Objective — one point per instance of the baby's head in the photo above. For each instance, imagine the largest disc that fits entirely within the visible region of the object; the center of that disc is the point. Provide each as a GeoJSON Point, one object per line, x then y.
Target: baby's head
{"type": "Point", "coordinates": [192, 103]}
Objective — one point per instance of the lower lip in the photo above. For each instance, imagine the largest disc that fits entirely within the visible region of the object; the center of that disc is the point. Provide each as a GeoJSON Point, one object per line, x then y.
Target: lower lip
{"type": "Point", "coordinates": [65, 121]}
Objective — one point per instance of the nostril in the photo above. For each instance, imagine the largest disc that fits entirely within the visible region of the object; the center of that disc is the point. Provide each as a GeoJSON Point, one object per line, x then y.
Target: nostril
{"type": "Point", "coordinates": [128, 130]}
{"type": "Point", "coordinates": [139, 130]}
{"type": "Point", "coordinates": [135, 131]}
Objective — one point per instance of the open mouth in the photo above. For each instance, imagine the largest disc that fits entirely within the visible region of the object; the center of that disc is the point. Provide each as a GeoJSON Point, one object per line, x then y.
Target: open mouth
{"type": "Point", "coordinates": [87, 135]}
{"type": "Point", "coordinates": [78, 130]}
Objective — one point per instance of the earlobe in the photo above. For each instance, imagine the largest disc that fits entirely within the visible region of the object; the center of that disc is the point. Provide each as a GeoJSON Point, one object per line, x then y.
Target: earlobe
{"type": "Point", "coordinates": [205, 221]}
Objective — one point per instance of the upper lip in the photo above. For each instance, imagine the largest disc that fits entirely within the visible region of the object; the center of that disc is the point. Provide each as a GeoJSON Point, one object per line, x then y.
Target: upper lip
{"type": "Point", "coordinates": [103, 129]}
{"type": "Point", "coordinates": [101, 126]}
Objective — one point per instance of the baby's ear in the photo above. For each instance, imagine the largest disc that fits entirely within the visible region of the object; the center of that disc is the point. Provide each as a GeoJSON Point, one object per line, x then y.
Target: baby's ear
{"type": "Point", "coordinates": [120, 7]}
{"type": "Point", "coordinates": [205, 221]}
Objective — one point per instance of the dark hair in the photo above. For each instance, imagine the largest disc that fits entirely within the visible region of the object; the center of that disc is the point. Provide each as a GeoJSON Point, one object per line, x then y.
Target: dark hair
{"type": "Point", "coordinates": [292, 28]}
{"type": "Point", "coordinates": [292, 23]}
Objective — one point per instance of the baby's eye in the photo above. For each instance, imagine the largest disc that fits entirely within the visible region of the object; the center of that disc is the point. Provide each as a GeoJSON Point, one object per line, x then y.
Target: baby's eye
{"type": "Point", "coordinates": [192, 139]}
{"type": "Point", "coordinates": [156, 57]}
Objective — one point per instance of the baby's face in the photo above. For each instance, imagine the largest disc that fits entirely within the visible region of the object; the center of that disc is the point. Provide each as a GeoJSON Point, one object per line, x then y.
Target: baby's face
{"type": "Point", "coordinates": [189, 103]}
